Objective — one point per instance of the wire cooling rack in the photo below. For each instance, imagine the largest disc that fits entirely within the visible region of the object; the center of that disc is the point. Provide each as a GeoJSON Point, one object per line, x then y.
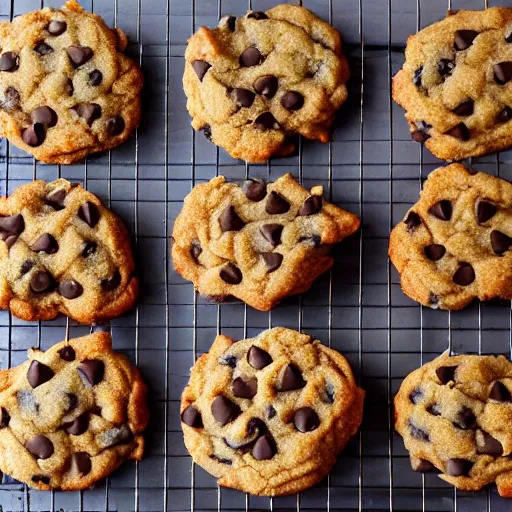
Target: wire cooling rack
{"type": "Point", "coordinates": [371, 168]}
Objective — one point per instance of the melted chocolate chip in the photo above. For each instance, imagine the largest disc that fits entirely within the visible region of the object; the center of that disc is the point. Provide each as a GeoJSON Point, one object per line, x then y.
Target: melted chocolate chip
{"type": "Point", "coordinates": [228, 462]}
{"type": "Point", "coordinates": [489, 445]}
{"type": "Point", "coordinates": [70, 289]}
{"type": "Point", "coordinates": [306, 419]}
{"type": "Point", "coordinates": [89, 112]}
{"type": "Point", "coordinates": [292, 100]}
{"type": "Point", "coordinates": [45, 243]}
{"type": "Point", "coordinates": [229, 21]}
{"type": "Point", "coordinates": [79, 55]}
{"type": "Point", "coordinates": [26, 267]}
{"type": "Point", "coordinates": [416, 80]}
{"type": "Point", "coordinates": [230, 221]}
{"type": "Point", "coordinates": [416, 396]}
{"type": "Point", "coordinates": [67, 353]}
{"type": "Point", "coordinates": [311, 206]}
{"type": "Point", "coordinates": [40, 447]}
{"type": "Point", "coordinates": [418, 433]}
{"type": "Point", "coordinates": [500, 392]}
{"type": "Point", "coordinates": [485, 211]}
{"type": "Point", "coordinates": [502, 72]}
{"type": "Point", "coordinates": [44, 115]}
{"type": "Point", "coordinates": [42, 48]}
{"type": "Point", "coordinates": [95, 77]}
{"type": "Point", "coordinates": [115, 126]}
{"type": "Point", "coordinates": [258, 358]}
{"type": "Point", "coordinates": [9, 61]}
{"type": "Point", "coordinates": [272, 233]}
{"type": "Point", "coordinates": [272, 260]}
{"type": "Point", "coordinates": [464, 275]}
{"type": "Point", "coordinates": [265, 448]}
{"type": "Point", "coordinates": [55, 199]}
{"type": "Point", "coordinates": [82, 462]}
{"type": "Point", "coordinates": [224, 410]}
{"type": "Point", "coordinates": [89, 248]}
{"type": "Point", "coordinates": [500, 242]}
{"type": "Point", "coordinates": [110, 284]}
{"type": "Point", "coordinates": [245, 387]}
{"type": "Point", "coordinates": [504, 115]}
{"type": "Point", "coordinates": [192, 417]}
{"type": "Point", "coordinates": [11, 99]}
{"type": "Point", "coordinates": [250, 57]}
{"type": "Point", "coordinates": [244, 97]}
{"type": "Point", "coordinates": [464, 109]}
{"type": "Point", "coordinates": [459, 131]}
{"type": "Point", "coordinates": [91, 371]}
{"type": "Point", "coordinates": [445, 67]}
{"type": "Point", "coordinates": [420, 136]}
{"type": "Point", "coordinates": [255, 189]}
{"type": "Point", "coordinates": [276, 204]}
{"type": "Point", "coordinates": [231, 274]}
{"type": "Point", "coordinates": [5, 418]}
{"type": "Point", "coordinates": [89, 213]}
{"type": "Point", "coordinates": [266, 121]}
{"type": "Point", "coordinates": [425, 466]}
{"type": "Point", "coordinates": [442, 210]}
{"type": "Point", "coordinates": [458, 467]}
{"type": "Point", "coordinates": [434, 252]}
{"type": "Point", "coordinates": [200, 67]}
{"type": "Point", "coordinates": [79, 426]}
{"type": "Point", "coordinates": [446, 374]}
{"type": "Point", "coordinates": [56, 27]}
{"type": "Point", "coordinates": [34, 135]}
{"type": "Point", "coordinates": [464, 39]}
{"type": "Point", "coordinates": [266, 86]}
{"type": "Point", "coordinates": [257, 15]}
{"type": "Point", "coordinates": [291, 379]}
{"type": "Point", "coordinates": [42, 282]}
{"type": "Point", "coordinates": [465, 419]}
{"type": "Point", "coordinates": [412, 221]}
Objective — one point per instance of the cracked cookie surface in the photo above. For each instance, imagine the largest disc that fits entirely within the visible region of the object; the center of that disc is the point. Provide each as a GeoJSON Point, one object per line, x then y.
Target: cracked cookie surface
{"type": "Point", "coordinates": [255, 82]}
{"type": "Point", "coordinates": [71, 415]}
{"type": "Point", "coordinates": [455, 85]}
{"type": "Point", "coordinates": [454, 415]}
{"type": "Point", "coordinates": [453, 245]}
{"type": "Point", "coordinates": [268, 415]}
{"type": "Point", "coordinates": [66, 89]}
{"type": "Point", "coordinates": [62, 251]}
{"type": "Point", "coordinates": [259, 242]}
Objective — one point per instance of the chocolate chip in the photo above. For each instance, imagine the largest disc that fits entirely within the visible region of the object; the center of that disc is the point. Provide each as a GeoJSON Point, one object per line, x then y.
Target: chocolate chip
{"type": "Point", "coordinates": [245, 387]}
{"type": "Point", "coordinates": [434, 252]}
{"type": "Point", "coordinates": [67, 353]}
{"type": "Point", "coordinates": [200, 67]}
{"type": "Point", "coordinates": [446, 374]}
{"type": "Point", "coordinates": [416, 396]}
{"type": "Point", "coordinates": [250, 57]}
{"type": "Point", "coordinates": [45, 243]}
{"type": "Point", "coordinates": [500, 392]}
{"type": "Point", "coordinates": [9, 61]}
{"type": "Point", "coordinates": [459, 131]}
{"type": "Point", "coordinates": [266, 86]}
{"type": "Point", "coordinates": [420, 136]}
{"type": "Point", "coordinates": [425, 466]}
{"type": "Point", "coordinates": [244, 97]}
{"type": "Point", "coordinates": [434, 409]}
{"type": "Point", "coordinates": [56, 27]}
{"type": "Point", "coordinates": [306, 419]}
{"type": "Point", "coordinates": [272, 233]}
{"type": "Point", "coordinates": [70, 289]}
{"type": "Point", "coordinates": [292, 100]}
{"type": "Point", "coordinates": [229, 21]}
{"type": "Point", "coordinates": [42, 282]}
{"type": "Point", "coordinates": [276, 204]}
{"type": "Point", "coordinates": [82, 462]}
{"type": "Point", "coordinates": [41, 479]}
{"type": "Point", "coordinates": [230, 361]}
{"type": "Point", "coordinates": [458, 467]}
{"type": "Point", "coordinates": [192, 417]}
{"type": "Point", "coordinates": [257, 15]}
{"type": "Point", "coordinates": [79, 426]}
{"type": "Point", "coordinates": [412, 221]}
{"type": "Point", "coordinates": [266, 121]}
{"type": "Point", "coordinates": [91, 371]}
{"type": "Point", "coordinates": [55, 199]}
{"type": "Point", "coordinates": [26, 267]}
{"type": "Point", "coordinates": [272, 260]}
{"type": "Point", "coordinates": [416, 80]}
{"type": "Point", "coordinates": [115, 126]}
{"type": "Point", "coordinates": [196, 250]}
{"type": "Point", "coordinates": [485, 211]}
{"type": "Point", "coordinates": [88, 111]}
{"type": "Point", "coordinates": [502, 72]}
{"type": "Point", "coordinates": [465, 419]}
{"type": "Point", "coordinates": [207, 132]}
{"type": "Point", "coordinates": [489, 446]}
{"type": "Point", "coordinates": [34, 135]}
{"type": "Point", "coordinates": [500, 242]}
{"type": "Point", "coordinates": [11, 99]}
{"type": "Point", "coordinates": [40, 447]}
{"type": "Point", "coordinates": [44, 115]}
{"type": "Point", "coordinates": [4, 418]}
{"type": "Point", "coordinates": [255, 189]}
{"type": "Point", "coordinates": [230, 221]}
{"type": "Point", "coordinates": [464, 109]}
{"type": "Point", "coordinates": [264, 448]}
{"type": "Point", "coordinates": [445, 67]}
{"type": "Point", "coordinates": [465, 275]}
{"type": "Point", "coordinates": [418, 433]}
{"type": "Point", "coordinates": [464, 39]}
{"type": "Point", "coordinates": [79, 55]}
{"type": "Point", "coordinates": [504, 115]}
{"type": "Point", "coordinates": [291, 379]}
{"type": "Point", "coordinates": [224, 410]}
{"type": "Point", "coordinates": [442, 210]}
{"type": "Point", "coordinates": [89, 248]}
{"type": "Point", "coordinates": [258, 358]}
{"type": "Point", "coordinates": [228, 462]}
{"type": "Point", "coordinates": [271, 412]}
{"type": "Point", "coordinates": [42, 48]}
{"type": "Point", "coordinates": [312, 205]}
{"type": "Point", "coordinates": [110, 284]}
{"type": "Point", "coordinates": [89, 213]}
{"type": "Point", "coordinates": [12, 225]}
{"type": "Point", "coordinates": [231, 274]}
{"type": "Point", "coordinates": [95, 77]}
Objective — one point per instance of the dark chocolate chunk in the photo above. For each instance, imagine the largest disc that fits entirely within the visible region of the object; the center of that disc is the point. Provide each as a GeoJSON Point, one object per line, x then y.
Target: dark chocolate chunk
{"type": "Point", "coordinates": [89, 213]}
{"type": "Point", "coordinates": [434, 252]}
{"type": "Point", "coordinates": [464, 39]}
{"type": "Point", "coordinates": [420, 136]}
{"type": "Point", "coordinates": [67, 353]}
{"type": "Point", "coordinates": [4, 418]}
{"type": "Point", "coordinates": [221, 460]}
{"type": "Point", "coordinates": [500, 392]}
{"type": "Point", "coordinates": [244, 97]}
{"type": "Point", "coordinates": [291, 379]}
{"type": "Point", "coordinates": [79, 55]}
{"type": "Point", "coordinates": [91, 371]}
{"type": "Point", "coordinates": [42, 282]}
{"type": "Point", "coordinates": [44, 115]}
{"type": "Point", "coordinates": [40, 447]}
{"type": "Point", "coordinates": [271, 412]}
{"type": "Point", "coordinates": [11, 99]}
{"type": "Point", "coordinates": [95, 77]}
{"type": "Point", "coordinates": [465, 419]}
{"type": "Point", "coordinates": [266, 86]}
{"type": "Point", "coordinates": [272, 260]}
{"type": "Point", "coordinates": [56, 27]}
{"type": "Point", "coordinates": [276, 204]}
{"type": "Point", "coordinates": [490, 446]}
{"type": "Point", "coordinates": [55, 199]}
{"type": "Point", "coordinates": [413, 220]}
{"type": "Point", "coordinates": [266, 121]}
{"type": "Point", "coordinates": [200, 67]}
{"type": "Point", "coordinates": [257, 15]}
{"type": "Point", "coordinates": [464, 275]}
{"type": "Point", "coordinates": [40, 479]}
{"type": "Point", "coordinates": [111, 283]}
{"type": "Point", "coordinates": [258, 358]}
{"type": "Point", "coordinates": [445, 67]}
{"type": "Point", "coordinates": [229, 21]}
{"type": "Point", "coordinates": [34, 135]}
{"type": "Point", "coordinates": [229, 220]}
{"type": "Point", "coordinates": [13, 225]}
{"type": "Point", "coordinates": [416, 396]}
{"type": "Point", "coordinates": [425, 466]}
{"type": "Point", "coordinates": [464, 109]}
{"type": "Point", "coordinates": [442, 210]}
{"type": "Point", "coordinates": [79, 426]}
{"type": "Point", "coordinates": [88, 111]}
{"type": "Point", "coordinates": [192, 417]}
{"type": "Point", "coordinates": [46, 243]}
{"type": "Point", "coordinates": [434, 409]}
{"type": "Point", "coordinates": [231, 274]}
{"type": "Point", "coordinates": [446, 374]}
{"type": "Point", "coordinates": [115, 126]}
{"type": "Point", "coordinates": [250, 57]}
{"type": "Point", "coordinates": [9, 61]}
{"type": "Point", "coordinates": [306, 419]}
{"type": "Point", "coordinates": [458, 467]}
{"type": "Point", "coordinates": [70, 289]}
{"type": "Point", "coordinates": [42, 48]}
{"type": "Point", "coordinates": [26, 267]}
{"type": "Point", "coordinates": [230, 361]}
{"type": "Point", "coordinates": [504, 115]}
{"type": "Point", "coordinates": [292, 100]}
{"type": "Point", "coordinates": [418, 433]}
{"type": "Point", "coordinates": [82, 462]}
{"type": "Point", "coordinates": [272, 233]}
{"type": "Point", "coordinates": [500, 242]}
{"type": "Point", "coordinates": [89, 248]}
{"type": "Point", "coordinates": [265, 448]}
{"type": "Point", "coordinates": [224, 410]}
{"type": "Point", "coordinates": [416, 80]}
{"type": "Point", "coordinates": [312, 205]}
{"type": "Point", "coordinates": [255, 189]}
{"type": "Point", "coordinates": [245, 387]}
{"type": "Point", "coordinates": [502, 72]}
{"type": "Point", "coordinates": [485, 211]}
{"type": "Point", "coordinates": [459, 131]}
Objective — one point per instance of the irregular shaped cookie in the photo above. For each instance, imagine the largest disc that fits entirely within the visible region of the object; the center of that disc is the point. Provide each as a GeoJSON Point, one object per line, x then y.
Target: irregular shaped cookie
{"type": "Point", "coordinates": [455, 84]}
{"type": "Point", "coordinates": [259, 241]}
{"type": "Point", "coordinates": [454, 414]}
{"type": "Point", "coordinates": [62, 251]}
{"type": "Point", "coordinates": [71, 415]}
{"type": "Point", "coordinates": [66, 89]}
{"type": "Point", "coordinates": [255, 82]}
{"type": "Point", "coordinates": [453, 245]}
{"type": "Point", "coordinates": [268, 415]}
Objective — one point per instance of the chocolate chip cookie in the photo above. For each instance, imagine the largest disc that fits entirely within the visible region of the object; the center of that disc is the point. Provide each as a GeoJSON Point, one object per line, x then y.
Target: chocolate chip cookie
{"type": "Point", "coordinates": [453, 244]}
{"type": "Point", "coordinates": [255, 82]}
{"type": "Point", "coordinates": [454, 414]}
{"type": "Point", "coordinates": [455, 85]}
{"type": "Point", "coordinates": [62, 251]}
{"type": "Point", "coordinates": [268, 415]}
{"type": "Point", "coordinates": [257, 241]}
{"type": "Point", "coordinates": [71, 415]}
{"type": "Point", "coordinates": [66, 89]}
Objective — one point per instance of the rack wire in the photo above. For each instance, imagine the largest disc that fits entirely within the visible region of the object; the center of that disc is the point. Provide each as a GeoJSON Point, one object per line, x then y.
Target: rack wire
{"type": "Point", "coordinates": [371, 168]}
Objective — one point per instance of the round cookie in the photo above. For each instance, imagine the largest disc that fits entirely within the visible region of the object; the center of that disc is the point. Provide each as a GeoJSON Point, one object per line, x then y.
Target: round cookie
{"type": "Point", "coordinates": [268, 415]}
{"type": "Point", "coordinates": [455, 416]}
{"type": "Point", "coordinates": [66, 89]}
{"type": "Point", "coordinates": [71, 415]}
{"type": "Point", "coordinates": [255, 82]}
{"type": "Point", "coordinates": [455, 85]}
{"type": "Point", "coordinates": [62, 251]}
